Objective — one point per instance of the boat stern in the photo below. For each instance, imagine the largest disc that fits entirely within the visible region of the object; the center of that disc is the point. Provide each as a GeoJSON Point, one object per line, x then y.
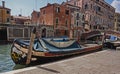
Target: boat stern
{"type": "Point", "coordinates": [18, 56]}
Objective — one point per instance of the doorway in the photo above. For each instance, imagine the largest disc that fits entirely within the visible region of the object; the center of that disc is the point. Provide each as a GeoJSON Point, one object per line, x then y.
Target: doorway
{"type": "Point", "coordinates": [3, 34]}
{"type": "Point", "coordinates": [44, 33]}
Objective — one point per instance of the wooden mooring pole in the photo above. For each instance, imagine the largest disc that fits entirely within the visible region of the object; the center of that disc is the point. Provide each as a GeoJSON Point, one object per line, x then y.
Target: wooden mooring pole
{"type": "Point", "coordinates": [103, 38]}
{"type": "Point", "coordinates": [29, 55]}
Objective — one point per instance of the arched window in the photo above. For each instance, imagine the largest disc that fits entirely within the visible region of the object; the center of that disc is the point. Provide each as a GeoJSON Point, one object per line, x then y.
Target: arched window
{"type": "Point", "coordinates": [44, 33]}
{"type": "Point", "coordinates": [75, 3]}
{"type": "Point", "coordinates": [86, 6]}
{"type": "Point", "coordinates": [83, 17]}
{"type": "Point", "coordinates": [77, 17]}
{"type": "Point", "coordinates": [77, 23]}
{"type": "Point", "coordinates": [66, 22]}
{"type": "Point", "coordinates": [58, 9]}
{"type": "Point", "coordinates": [57, 21]}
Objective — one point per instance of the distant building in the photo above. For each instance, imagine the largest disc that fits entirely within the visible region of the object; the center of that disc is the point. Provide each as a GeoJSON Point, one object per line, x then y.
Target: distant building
{"type": "Point", "coordinates": [20, 20]}
{"type": "Point", "coordinates": [5, 14]}
{"type": "Point", "coordinates": [44, 29]}
{"type": "Point", "coordinates": [35, 17]}
{"type": "Point", "coordinates": [99, 14]}
{"type": "Point", "coordinates": [117, 22]}
{"type": "Point", "coordinates": [57, 15]}
{"type": "Point", "coordinates": [28, 22]}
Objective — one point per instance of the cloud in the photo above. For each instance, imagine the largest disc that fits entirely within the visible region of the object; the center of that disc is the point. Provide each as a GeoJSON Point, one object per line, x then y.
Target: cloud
{"type": "Point", "coordinates": [116, 4]}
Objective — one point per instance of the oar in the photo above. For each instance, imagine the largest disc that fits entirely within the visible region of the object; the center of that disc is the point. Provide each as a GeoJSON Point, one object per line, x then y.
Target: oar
{"type": "Point", "coordinates": [31, 46]}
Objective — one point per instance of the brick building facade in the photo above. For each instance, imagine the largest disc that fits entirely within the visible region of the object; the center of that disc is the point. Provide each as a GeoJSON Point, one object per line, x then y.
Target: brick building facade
{"type": "Point", "coordinates": [35, 15]}
{"type": "Point", "coordinates": [57, 15]}
{"type": "Point", "coordinates": [98, 13]}
{"type": "Point", "coordinates": [77, 20]}
{"type": "Point", "coordinates": [20, 20]}
{"type": "Point", "coordinates": [5, 14]}
{"type": "Point", "coordinates": [117, 22]}
{"type": "Point", "coordinates": [74, 16]}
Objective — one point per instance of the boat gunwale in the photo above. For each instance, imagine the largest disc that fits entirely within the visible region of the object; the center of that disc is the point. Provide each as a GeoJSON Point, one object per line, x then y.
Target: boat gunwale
{"type": "Point", "coordinates": [54, 54]}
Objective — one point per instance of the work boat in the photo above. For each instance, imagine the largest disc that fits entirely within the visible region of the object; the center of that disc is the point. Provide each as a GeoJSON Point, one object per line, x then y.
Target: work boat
{"type": "Point", "coordinates": [51, 48]}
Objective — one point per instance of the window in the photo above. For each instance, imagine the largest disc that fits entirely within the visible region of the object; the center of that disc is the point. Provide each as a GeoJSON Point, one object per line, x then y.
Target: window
{"type": "Point", "coordinates": [83, 17]}
{"type": "Point", "coordinates": [38, 15]}
{"type": "Point", "coordinates": [97, 0]}
{"type": "Point", "coordinates": [98, 8]}
{"type": "Point", "coordinates": [95, 27]}
{"type": "Point", "coordinates": [77, 17]}
{"type": "Point", "coordinates": [91, 6]}
{"type": "Point", "coordinates": [43, 22]}
{"type": "Point", "coordinates": [58, 9]}
{"type": "Point", "coordinates": [119, 25]}
{"type": "Point", "coordinates": [66, 22]}
{"type": "Point", "coordinates": [65, 32]}
{"type": "Point", "coordinates": [8, 12]}
{"type": "Point", "coordinates": [43, 11]}
{"type": "Point", "coordinates": [75, 3]}
{"type": "Point", "coordinates": [90, 17]}
{"type": "Point", "coordinates": [8, 20]}
{"type": "Point", "coordinates": [12, 18]}
{"type": "Point", "coordinates": [67, 12]}
{"type": "Point", "coordinates": [57, 20]}
{"type": "Point", "coordinates": [90, 26]}
{"type": "Point", "coordinates": [77, 23]}
{"type": "Point", "coordinates": [86, 6]}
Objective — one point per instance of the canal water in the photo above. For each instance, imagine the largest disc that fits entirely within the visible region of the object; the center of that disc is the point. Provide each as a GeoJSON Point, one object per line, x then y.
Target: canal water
{"type": "Point", "coordinates": [6, 63]}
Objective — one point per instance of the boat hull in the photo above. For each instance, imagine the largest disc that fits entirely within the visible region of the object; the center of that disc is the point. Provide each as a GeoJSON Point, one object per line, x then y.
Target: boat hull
{"type": "Point", "coordinates": [19, 57]}
{"type": "Point", "coordinates": [19, 54]}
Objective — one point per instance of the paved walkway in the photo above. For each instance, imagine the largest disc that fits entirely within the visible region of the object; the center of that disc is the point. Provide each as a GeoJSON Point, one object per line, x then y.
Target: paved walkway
{"type": "Point", "coordinates": [102, 62]}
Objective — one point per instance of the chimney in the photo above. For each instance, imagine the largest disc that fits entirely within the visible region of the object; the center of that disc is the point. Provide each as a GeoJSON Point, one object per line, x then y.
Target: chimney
{"type": "Point", "coordinates": [3, 4]}
{"type": "Point", "coordinates": [20, 15]}
{"type": "Point", "coordinates": [66, 0]}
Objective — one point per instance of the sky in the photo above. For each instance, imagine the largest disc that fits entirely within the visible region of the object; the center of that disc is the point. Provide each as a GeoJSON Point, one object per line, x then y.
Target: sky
{"type": "Point", "coordinates": [116, 4]}
{"type": "Point", "coordinates": [25, 7]}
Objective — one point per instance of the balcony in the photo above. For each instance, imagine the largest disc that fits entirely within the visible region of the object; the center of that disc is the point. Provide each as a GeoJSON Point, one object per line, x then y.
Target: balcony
{"type": "Point", "coordinates": [111, 16]}
{"type": "Point", "coordinates": [99, 13]}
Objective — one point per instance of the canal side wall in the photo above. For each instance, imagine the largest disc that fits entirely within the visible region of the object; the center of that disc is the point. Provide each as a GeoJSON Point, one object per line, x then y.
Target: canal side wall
{"type": "Point", "coordinates": [18, 32]}
{"type": "Point", "coordinates": [10, 32]}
